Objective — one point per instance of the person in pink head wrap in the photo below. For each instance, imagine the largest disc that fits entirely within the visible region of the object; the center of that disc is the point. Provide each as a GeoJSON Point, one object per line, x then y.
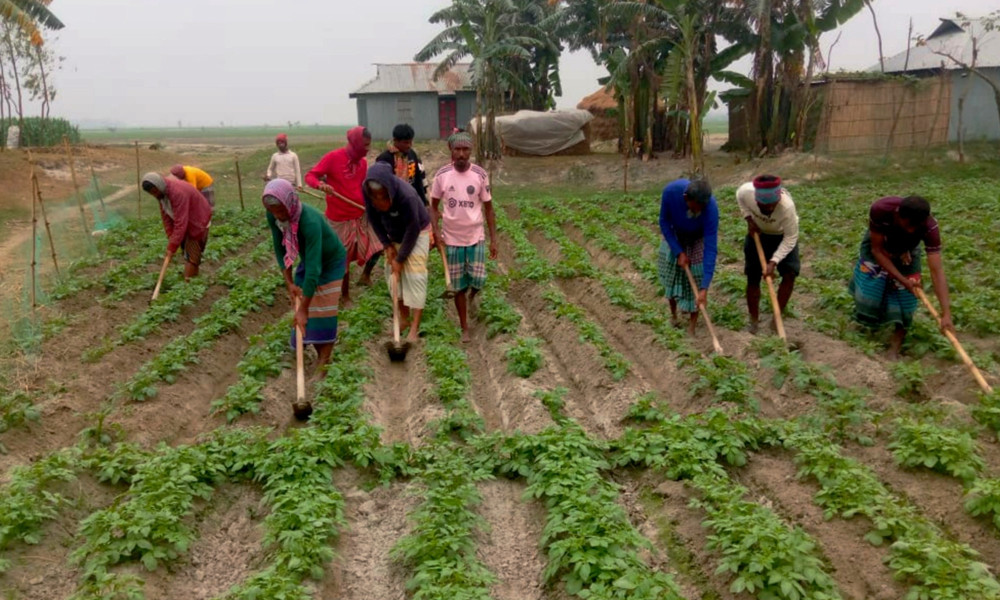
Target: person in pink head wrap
{"type": "Point", "coordinates": [339, 174]}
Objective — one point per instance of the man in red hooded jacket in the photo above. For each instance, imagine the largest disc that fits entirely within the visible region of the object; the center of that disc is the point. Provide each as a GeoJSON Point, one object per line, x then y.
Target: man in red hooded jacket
{"type": "Point", "coordinates": [339, 174]}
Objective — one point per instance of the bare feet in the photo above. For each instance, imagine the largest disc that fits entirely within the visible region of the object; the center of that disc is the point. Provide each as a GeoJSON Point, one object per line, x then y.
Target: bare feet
{"type": "Point", "coordinates": [413, 338]}
{"type": "Point", "coordinates": [466, 338]}
{"type": "Point", "coordinates": [752, 327]}
{"type": "Point", "coordinates": [365, 280]}
{"type": "Point", "coordinates": [345, 301]}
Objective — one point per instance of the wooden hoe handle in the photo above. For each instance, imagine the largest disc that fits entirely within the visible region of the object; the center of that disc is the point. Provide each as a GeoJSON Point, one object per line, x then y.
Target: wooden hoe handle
{"type": "Point", "coordinates": [779, 325]}
{"type": "Point", "coordinates": [300, 372]}
{"type": "Point", "coordinates": [704, 312]}
{"type": "Point", "coordinates": [954, 342]}
{"type": "Point", "coordinates": [159, 282]}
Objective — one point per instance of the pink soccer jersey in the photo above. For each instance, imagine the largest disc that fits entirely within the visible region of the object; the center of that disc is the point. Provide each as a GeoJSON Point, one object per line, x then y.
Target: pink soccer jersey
{"type": "Point", "coordinates": [462, 196]}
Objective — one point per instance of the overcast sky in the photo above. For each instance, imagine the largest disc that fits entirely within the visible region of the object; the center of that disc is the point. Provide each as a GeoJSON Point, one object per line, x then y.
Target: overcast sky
{"type": "Point", "coordinates": [202, 62]}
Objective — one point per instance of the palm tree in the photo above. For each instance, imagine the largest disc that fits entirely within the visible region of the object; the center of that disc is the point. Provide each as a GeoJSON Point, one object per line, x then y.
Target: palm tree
{"type": "Point", "coordinates": [501, 45]}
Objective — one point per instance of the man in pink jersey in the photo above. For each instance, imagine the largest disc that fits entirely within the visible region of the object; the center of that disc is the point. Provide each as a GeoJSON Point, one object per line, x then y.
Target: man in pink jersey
{"type": "Point", "coordinates": [464, 189]}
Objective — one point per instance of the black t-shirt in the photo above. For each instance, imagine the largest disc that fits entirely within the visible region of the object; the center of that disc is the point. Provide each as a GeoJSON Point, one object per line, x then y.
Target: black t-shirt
{"type": "Point", "coordinates": [414, 171]}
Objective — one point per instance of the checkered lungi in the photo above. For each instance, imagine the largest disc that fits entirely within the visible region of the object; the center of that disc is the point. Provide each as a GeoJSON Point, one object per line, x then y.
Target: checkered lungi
{"type": "Point", "coordinates": [358, 238]}
{"type": "Point", "coordinates": [673, 278]}
{"type": "Point", "coordinates": [467, 266]}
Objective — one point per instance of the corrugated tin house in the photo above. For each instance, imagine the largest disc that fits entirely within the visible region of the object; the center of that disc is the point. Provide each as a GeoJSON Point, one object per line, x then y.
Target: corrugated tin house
{"type": "Point", "coordinates": [408, 93]}
{"type": "Point", "coordinates": [979, 115]}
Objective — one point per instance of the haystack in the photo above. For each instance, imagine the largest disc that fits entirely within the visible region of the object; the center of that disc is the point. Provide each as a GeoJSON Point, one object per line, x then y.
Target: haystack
{"type": "Point", "coordinates": [603, 105]}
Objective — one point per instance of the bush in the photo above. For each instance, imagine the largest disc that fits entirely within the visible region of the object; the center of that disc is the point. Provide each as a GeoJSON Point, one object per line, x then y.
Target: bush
{"type": "Point", "coordinates": [42, 132]}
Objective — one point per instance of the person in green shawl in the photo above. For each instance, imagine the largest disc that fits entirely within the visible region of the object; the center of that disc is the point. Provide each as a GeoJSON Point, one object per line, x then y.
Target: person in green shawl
{"type": "Point", "coordinates": [301, 232]}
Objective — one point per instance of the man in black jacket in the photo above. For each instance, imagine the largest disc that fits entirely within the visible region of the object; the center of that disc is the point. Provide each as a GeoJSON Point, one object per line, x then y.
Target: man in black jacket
{"type": "Point", "coordinates": [404, 160]}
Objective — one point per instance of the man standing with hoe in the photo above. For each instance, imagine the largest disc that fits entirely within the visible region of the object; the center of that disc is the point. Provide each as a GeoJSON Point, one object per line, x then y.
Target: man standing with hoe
{"type": "Point", "coordinates": [465, 190]}
{"type": "Point", "coordinates": [339, 174]}
{"type": "Point", "coordinates": [770, 215]}
{"type": "Point", "coordinates": [186, 215]}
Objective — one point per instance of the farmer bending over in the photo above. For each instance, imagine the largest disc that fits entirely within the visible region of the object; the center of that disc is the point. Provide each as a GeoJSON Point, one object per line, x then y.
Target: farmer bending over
{"type": "Point", "coordinates": [888, 270]}
{"type": "Point", "coordinates": [186, 216]}
{"type": "Point", "coordinates": [401, 221]}
{"type": "Point", "coordinates": [302, 232]}
{"type": "Point", "coordinates": [689, 223]}
{"type": "Point", "coordinates": [339, 174]}
{"type": "Point", "coordinates": [769, 212]}
{"type": "Point", "coordinates": [284, 163]}
{"type": "Point", "coordinates": [465, 190]}
{"type": "Point", "coordinates": [201, 180]}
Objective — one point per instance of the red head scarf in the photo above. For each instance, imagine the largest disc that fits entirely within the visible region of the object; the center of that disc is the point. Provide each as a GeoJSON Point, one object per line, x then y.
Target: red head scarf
{"type": "Point", "coordinates": [356, 144]}
{"type": "Point", "coordinates": [178, 171]}
{"type": "Point", "coordinates": [281, 138]}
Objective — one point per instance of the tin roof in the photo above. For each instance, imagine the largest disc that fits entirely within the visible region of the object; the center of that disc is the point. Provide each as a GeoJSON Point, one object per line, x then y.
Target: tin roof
{"type": "Point", "coordinates": [951, 37]}
{"type": "Point", "coordinates": [416, 77]}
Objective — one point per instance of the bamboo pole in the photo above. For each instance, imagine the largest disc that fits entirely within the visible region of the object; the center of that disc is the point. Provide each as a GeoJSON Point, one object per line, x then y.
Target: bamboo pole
{"type": "Point", "coordinates": [36, 190]}
{"type": "Point", "coordinates": [45, 218]}
{"type": "Point", "coordinates": [138, 184]}
{"type": "Point", "coordinates": [34, 242]}
{"type": "Point", "coordinates": [239, 182]}
{"type": "Point", "coordinates": [76, 184]}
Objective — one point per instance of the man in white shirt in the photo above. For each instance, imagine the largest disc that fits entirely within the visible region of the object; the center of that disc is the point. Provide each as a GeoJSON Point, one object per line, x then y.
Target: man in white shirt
{"type": "Point", "coordinates": [769, 211]}
{"type": "Point", "coordinates": [284, 163]}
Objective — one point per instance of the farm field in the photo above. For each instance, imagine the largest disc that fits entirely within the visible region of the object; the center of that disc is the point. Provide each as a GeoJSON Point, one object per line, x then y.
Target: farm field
{"type": "Point", "coordinates": [230, 136]}
{"type": "Point", "coordinates": [579, 446]}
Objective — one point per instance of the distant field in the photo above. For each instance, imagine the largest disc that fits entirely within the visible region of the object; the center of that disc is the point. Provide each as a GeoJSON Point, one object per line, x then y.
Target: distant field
{"type": "Point", "coordinates": [215, 135]}
{"type": "Point", "coordinates": [716, 125]}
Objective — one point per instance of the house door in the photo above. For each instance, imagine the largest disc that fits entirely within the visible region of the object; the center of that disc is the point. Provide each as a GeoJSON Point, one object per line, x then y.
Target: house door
{"type": "Point", "coordinates": [447, 116]}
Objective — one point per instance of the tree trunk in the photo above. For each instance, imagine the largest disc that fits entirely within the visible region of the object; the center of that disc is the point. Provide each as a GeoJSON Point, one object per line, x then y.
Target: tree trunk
{"type": "Point", "coordinates": [46, 105]}
{"type": "Point", "coordinates": [17, 83]}
{"type": "Point", "coordinates": [694, 112]}
{"type": "Point", "coordinates": [763, 70]}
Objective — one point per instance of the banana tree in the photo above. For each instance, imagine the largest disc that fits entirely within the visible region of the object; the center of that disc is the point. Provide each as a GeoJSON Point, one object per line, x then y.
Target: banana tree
{"type": "Point", "coordinates": [490, 33]}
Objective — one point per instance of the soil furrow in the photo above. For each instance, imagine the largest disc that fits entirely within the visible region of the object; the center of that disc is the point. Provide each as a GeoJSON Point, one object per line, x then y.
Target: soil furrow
{"type": "Point", "coordinates": [858, 566]}
{"type": "Point", "coordinates": [399, 396]}
{"type": "Point", "coordinates": [363, 569]}
{"type": "Point", "coordinates": [938, 497]}
{"type": "Point", "coordinates": [510, 548]}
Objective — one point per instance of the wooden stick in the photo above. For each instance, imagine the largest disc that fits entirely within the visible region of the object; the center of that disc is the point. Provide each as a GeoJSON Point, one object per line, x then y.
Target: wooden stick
{"type": "Point", "coordinates": [954, 342]}
{"type": "Point", "coordinates": [76, 185]}
{"type": "Point", "coordinates": [395, 310]}
{"type": "Point", "coordinates": [314, 195]}
{"type": "Point", "coordinates": [37, 189]}
{"type": "Point", "coordinates": [239, 183]}
{"type": "Point", "coordinates": [770, 288]}
{"type": "Point", "coordinates": [704, 312]}
{"type": "Point", "coordinates": [447, 274]}
{"type": "Point", "coordinates": [34, 242]}
{"type": "Point", "coordinates": [163, 272]}
{"type": "Point", "coordinates": [300, 372]}
{"type": "Point", "coordinates": [138, 184]}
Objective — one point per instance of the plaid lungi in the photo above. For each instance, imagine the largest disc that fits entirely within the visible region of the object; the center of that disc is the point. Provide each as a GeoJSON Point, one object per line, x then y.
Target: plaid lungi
{"type": "Point", "coordinates": [321, 328]}
{"type": "Point", "coordinates": [358, 238]}
{"type": "Point", "coordinates": [673, 278]}
{"type": "Point", "coordinates": [467, 266]}
{"type": "Point", "coordinates": [413, 279]}
{"type": "Point", "coordinates": [878, 298]}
